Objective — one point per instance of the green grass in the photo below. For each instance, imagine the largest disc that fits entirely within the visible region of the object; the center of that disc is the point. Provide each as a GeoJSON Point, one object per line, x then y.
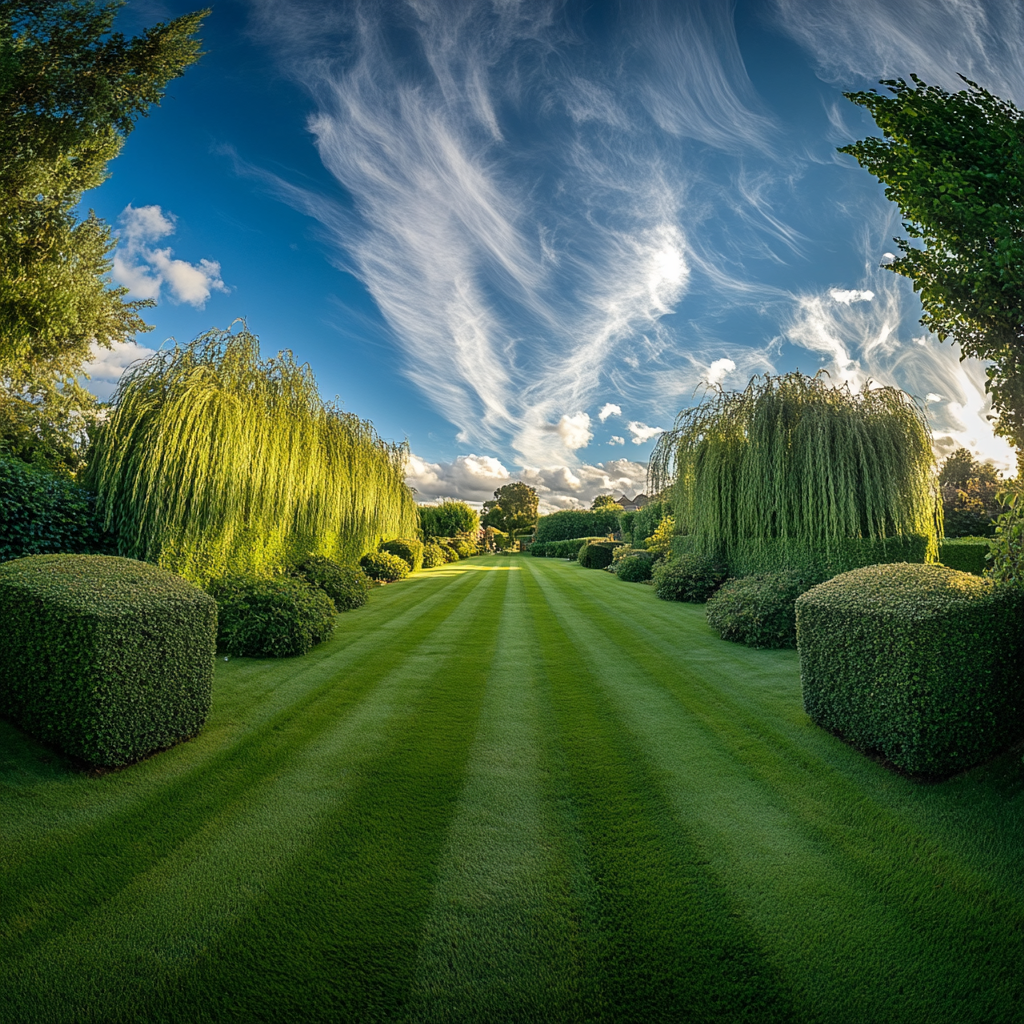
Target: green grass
{"type": "Point", "coordinates": [509, 789]}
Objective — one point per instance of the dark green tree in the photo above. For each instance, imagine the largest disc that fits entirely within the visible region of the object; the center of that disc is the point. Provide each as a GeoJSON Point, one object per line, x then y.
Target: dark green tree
{"type": "Point", "coordinates": [954, 164]}
{"type": "Point", "coordinates": [449, 519]}
{"type": "Point", "coordinates": [605, 501]}
{"type": "Point", "coordinates": [514, 508]}
{"type": "Point", "coordinates": [71, 91]}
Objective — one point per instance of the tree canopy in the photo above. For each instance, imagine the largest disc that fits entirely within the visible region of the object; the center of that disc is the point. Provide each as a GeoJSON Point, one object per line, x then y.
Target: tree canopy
{"type": "Point", "coordinates": [449, 519]}
{"type": "Point", "coordinates": [71, 91]}
{"type": "Point", "coordinates": [796, 464]}
{"type": "Point", "coordinates": [954, 164]}
{"type": "Point", "coordinates": [605, 501]}
{"type": "Point", "coordinates": [514, 508]}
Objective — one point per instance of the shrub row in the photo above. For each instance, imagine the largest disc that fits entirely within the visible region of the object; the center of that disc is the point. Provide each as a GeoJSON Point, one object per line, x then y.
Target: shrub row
{"type": "Point", "coordinates": [384, 567]}
{"type": "Point", "coordinates": [409, 549]}
{"type": "Point", "coordinates": [106, 658]}
{"type": "Point", "coordinates": [43, 513]}
{"type": "Point", "coordinates": [576, 524]}
{"type": "Point", "coordinates": [635, 568]}
{"type": "Point", "coordinates": [968, 554]}
{"type": "Point", "coordinates": [560, 548]}
{"type": "Point", "coordinates": [690, 577]}
{"type": "Point", "coordinates": [920, 663]}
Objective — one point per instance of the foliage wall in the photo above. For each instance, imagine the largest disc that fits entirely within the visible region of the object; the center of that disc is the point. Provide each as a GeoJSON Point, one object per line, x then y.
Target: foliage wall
{"type": "Point", "coordinates": [215, 461]}
{"type": "Point", "coordinates": [796, 462]}
{"type": "Point", "coordinates": [573, 523]}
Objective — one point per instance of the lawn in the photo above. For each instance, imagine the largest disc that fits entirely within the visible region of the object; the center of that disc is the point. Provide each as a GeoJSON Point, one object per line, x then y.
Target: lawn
{"type": "Point", "coordinates": [509, 789]}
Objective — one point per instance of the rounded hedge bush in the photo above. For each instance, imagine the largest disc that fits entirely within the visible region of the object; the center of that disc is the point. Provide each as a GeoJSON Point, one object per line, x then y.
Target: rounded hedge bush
{"type": "Point", "coordinates": [465, 548]}
{"type": "Point", "coordinates": [433, 555]}
{"type": "Point", "coordinates": [690, 577]}
{"type": "Point", "coordinates": [596, 554]}
{"type": "Point", "coordinates": [384, 567]}
{"type": "Point", "coordinates": [635, 568]}
{"type": "Point", "coordinates": [449, 552]}
{"type": "Point", "coordinates": [271, 618]}
{"type": "Point", "coordinates": [409, 549]}
{"type": "Point", "coordinates": [346, 585]}
{"type": "Point", "coordinates": [759, 611]}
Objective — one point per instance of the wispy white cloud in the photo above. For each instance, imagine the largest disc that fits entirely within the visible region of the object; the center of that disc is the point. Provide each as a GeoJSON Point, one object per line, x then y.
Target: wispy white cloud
{"type": "Point", "coordinates": [146, 270]}
{"type": "Point", "coordinates": [845, 296]}
{"type": "Point", "coordinates": [608, 409]}
{"type": "Point", "coordinates": [936, 39]}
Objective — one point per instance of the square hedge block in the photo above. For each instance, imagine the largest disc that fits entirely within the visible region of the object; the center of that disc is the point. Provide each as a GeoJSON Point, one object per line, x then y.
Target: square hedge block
{"type": "Point", "coordinates": [106, 658]}
{"type": "Point", "coordinates": [919, 663]}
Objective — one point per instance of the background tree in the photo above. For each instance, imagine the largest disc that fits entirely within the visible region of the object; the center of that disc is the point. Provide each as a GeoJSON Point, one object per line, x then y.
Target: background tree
{"type": "Point", "coordinates": [605, 501]}
{"type": "Point", "coordinates": [954, 164]}
{"type": "Point", "coordinates": [449, 519]}
{"type": "Point", "coordinates": [514, 508]}
{"type": "Point", "coordinates": [794, 467]}
{"type": "Point", "coordinates": [71, 91]}
{"type": "Point", "coordinates": [969, 495]}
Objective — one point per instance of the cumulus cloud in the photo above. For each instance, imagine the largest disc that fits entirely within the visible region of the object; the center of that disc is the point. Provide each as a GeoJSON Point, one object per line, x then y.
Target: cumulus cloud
{"type": "Point", "coordinates": [146, 270]}
{"type": "Point", "coordinates": [608, 409]}
{"type": "Point", "coordinates": [574, 430]}
{"type": "Point", "coordinates": [846, 296]}
{"type": "Point", "coordinates": [641, 432]}
{"type": "Point", "coordinates": [577, 486]}
{"type": "Point", "coordinates": [615, 439]}
{"type": "Point", "coordinates": [106, 365]}
{"type": "Point", "coordinates": [719, 370]}
{"type": "Point", "coordinates": [472, 478]}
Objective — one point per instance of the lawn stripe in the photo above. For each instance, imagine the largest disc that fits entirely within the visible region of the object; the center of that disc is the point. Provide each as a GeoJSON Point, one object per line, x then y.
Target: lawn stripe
{"type": "Point", "coordinates": [337, 939]}
{"type": "Point", "coordinates": [663, 943]}
{"type": "Point", "coordinates": [55, 886]}
{"type": "Point", "coordinates": [502, 931]}
{"type": "Point", "coordinates": [779, 843]}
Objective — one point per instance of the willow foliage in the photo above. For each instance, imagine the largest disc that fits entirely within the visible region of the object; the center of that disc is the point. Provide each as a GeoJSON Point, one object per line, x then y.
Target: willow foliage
{"type": "Point", "coordinates": [797, 462]}
{"type": "Point", "coordinates": [215, 461]}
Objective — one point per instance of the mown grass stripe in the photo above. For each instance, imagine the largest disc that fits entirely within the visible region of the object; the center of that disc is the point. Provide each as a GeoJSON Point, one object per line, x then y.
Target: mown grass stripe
{"type": "Point", "coordinates": [53, 887]}
{"type": "Point", "coordinates": [338, 939]}
{"type": "Point", "coordinates": [503, 929]}
{"type": "Point", "coordinates": [788, 835]}
{"type": "Point", "coordinates": [661, 932]}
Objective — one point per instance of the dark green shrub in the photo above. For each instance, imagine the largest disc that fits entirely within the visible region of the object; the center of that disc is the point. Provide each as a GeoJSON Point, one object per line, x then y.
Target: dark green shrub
{"type": "Point", "coordinates": [276, 617]}
{"type": "Point", "coordinates": [107, 658]}
{"type": "Point", "coordinates": [539, 550]}
{"type": "Point", "coordinates": [626, 524]}
{"type": "Point", "coordinates": [965, 553]}
{"type": "Point", "coordinates": [635, 568]}
{"type": "Point", "coordinates": [689, 577]}
{"type": "Point", "coordinates": [759, 611]}
{"type": "Point", "coordinates": [575, 524]}
{"type": "Point", "coordinates": [919, 663]}
{"type": "Point", "coordinates": [647, 519]}
{"type": "Point", "coordinates": [433, 555]}
{"type": "Point", "coordinates": [384, 567]}
{"type": "Point", "coordinates": [448, 550]}
{"type": "Point", "coordinates": [409, 549]}
{"type": "Point", "coordinates": [597, 554]}
{"type": "Point", "coordinates": [346, 585]}
{"type": "Point", "coordinates": [42, 513]}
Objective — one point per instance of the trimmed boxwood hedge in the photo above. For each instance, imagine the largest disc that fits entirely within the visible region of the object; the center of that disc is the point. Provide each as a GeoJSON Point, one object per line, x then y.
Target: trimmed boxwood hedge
{"type": "Point", "coordinates": [597, 554]}
{"type": "Point", "coordinates": [689, 577]}
{"type": "Point", "coordinates": [106, 658]}
{"type": "Point", "coordinates": [844, 556]}
{"type": "Point", "coordinates": [433, 555]}
{"type": "Point", "coordinates": [409, 549]}
{"type": "Point", "coordinates": [759, 611]}
{"type": "Point", "coordinates": [576, 524]}
{"type": "Point", "coordinates": [276, 617]}
{"type": "Point", "coordinates": [384, 567]}
{"type": "Point", "coordinates": [560, 548]}
{"type": "Point", "coordinates": [920, 663]}
{"type": "Point", "coordinates": [346, 585]}
{"type": "Point", "coordinates": [965, 553]}
{"type": "Point", "coordinates": [635, 568]}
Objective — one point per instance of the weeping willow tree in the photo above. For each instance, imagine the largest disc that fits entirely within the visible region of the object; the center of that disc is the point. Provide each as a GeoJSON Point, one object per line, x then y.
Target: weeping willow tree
{"type": "Point", "coordinates": [215, 461]}
{"type": "Point", "coordinates": [795, 464]}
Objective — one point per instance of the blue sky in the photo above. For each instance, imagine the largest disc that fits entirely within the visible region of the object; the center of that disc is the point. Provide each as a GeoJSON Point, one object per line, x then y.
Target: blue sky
{"type": "Point", "coordinates": [521, 233]}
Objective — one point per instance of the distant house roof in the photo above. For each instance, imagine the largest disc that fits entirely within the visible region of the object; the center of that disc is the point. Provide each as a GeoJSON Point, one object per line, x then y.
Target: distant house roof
{"type": "Point", "coordinates": [632, 504]}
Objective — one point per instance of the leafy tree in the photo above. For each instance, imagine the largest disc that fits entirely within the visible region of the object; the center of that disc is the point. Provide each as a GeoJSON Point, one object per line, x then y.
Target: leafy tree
{"type": "Point", "coordinates": [954, 164]}
{"type": "Point", "coordinates": [71, 91]}
{"type": "Point", "coordinates": [449, 519]}
{"type": "Point", "coordinates": [514, 508]}
{"type": "Point", "coordinates": [969, 489]}
{"type": "Point", "coordinates": [605, 501]}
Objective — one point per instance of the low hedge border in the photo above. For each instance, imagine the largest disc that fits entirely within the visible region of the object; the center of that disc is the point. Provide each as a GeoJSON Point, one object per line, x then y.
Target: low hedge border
{"type": "Point", "coordinates": [918, 663]}
{"type": "Point", "coordinates": [968, 554]}
{"type": "Point", "coordinates": [106, 658]}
